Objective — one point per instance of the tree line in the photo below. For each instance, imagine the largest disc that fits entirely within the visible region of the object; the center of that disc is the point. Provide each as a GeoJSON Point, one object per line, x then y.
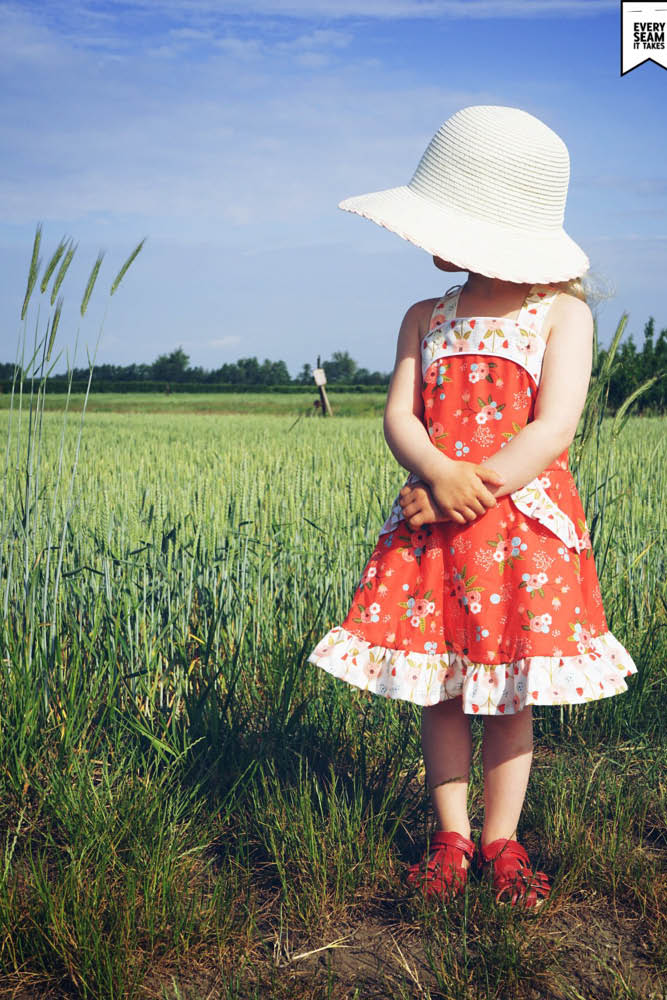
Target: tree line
{"type": "Point", "coordinates": [632, 367]}
{"type": "Point", "coordinates": [174, 369]}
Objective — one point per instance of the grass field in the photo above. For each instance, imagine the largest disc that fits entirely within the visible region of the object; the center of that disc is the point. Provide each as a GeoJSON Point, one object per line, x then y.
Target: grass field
{"type": "Point", "coordinates": [296, 404]}
{"type": "Point", "coordinates": [189, 810]}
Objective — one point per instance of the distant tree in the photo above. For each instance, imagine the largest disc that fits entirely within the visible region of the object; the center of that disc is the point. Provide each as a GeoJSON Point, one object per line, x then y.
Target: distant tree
{"type": "Point", "coordinates": [633, 367]}
{"type": "Point", "coordinates": [305, 376]}
{"type": "Point", "coordinates": [7, 371]}
{"type": "Point", "coordinates": [341, 368]}
{"type": "Point", "coordinates": [171, 367]}
{"type": "Point", "coordinates": [657, 394]}
{"type": "Point", "coordinates": [275, 373]}
{"type": "Point", "coordinates": [363, 376]}
{"type": "Point", "coordinates": [249, 371]}
{"type": "Point", "coordinates": [228, 373]}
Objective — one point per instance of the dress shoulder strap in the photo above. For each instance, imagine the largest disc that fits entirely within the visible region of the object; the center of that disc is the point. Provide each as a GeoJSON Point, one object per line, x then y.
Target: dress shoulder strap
{"type": "Point", "coordinates": [445, 307]}
{"type": "Point", "coordinates": [535, 307]}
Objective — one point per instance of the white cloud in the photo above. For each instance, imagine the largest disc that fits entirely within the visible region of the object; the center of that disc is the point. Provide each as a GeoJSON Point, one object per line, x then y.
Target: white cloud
{"type": "Point", "coordinates": [320, 38]}
{"type": "Point", "coordinates": [31, 31]}
{"type": "Point", "coordinates": [191, 35]}
{"type": "Point", "coordinates": [391, 9]}
{"type": "Point", "coordinates": [240, 48]}
{"type": "Point", "coordinates": [313, 60]}
{"type": "Point", "coordinates": [109, 25]}
{"type": "Point", "coordinates": [196, 147]}
{"type": "Point", "coordinates": [380, 9]}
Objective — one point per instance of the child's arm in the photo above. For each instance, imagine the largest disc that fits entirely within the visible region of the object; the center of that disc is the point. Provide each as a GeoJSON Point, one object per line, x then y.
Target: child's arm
{"type": "Point", "coordinates": [566, 373]}
{"type": "Point", "coordinates": [457, 486]}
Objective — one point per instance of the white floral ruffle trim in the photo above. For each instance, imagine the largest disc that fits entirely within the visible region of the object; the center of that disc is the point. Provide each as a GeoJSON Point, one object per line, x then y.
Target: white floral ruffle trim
{"type": "Point", "coordinates": [534, 501]}
{"type": "Point", "coordinates": [486, 689]}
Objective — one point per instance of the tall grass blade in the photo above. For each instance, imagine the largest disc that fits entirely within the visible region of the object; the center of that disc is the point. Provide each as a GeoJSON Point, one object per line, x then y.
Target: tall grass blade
{"type": "Point", "coordinates": [91, 283]}
{"type": "Point", "coordinates": [33, 271]}
{"type": "Point", "coordinates": [590, 423]}
{"type": "Point", "coordinates": [121, 274]}
{"type": "Point", "coordinates": [596, 343]}
{"type": "Point", "coordinates": [619, 423]}
{"type": "Point", "coordinates": [51, 266]}
{"type": "Point", "coordinates": [62, 271]}
{"type": "Point", "coordinates": [54, 327]}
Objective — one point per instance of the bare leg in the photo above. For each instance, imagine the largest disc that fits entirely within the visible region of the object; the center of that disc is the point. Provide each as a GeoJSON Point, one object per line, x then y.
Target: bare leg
{"type": "Point", "coordinates": [507, 754]}
{"type": "Point", "coordinates": [447, 748]}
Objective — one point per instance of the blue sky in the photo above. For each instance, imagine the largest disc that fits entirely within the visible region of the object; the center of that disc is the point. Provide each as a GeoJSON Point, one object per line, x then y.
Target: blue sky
{"type": "Point", "coordinates": [227, 132]}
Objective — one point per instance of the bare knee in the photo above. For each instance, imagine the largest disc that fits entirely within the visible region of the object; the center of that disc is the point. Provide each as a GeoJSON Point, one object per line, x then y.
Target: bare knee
{"type": "Point", "coordinates": [510, 735]}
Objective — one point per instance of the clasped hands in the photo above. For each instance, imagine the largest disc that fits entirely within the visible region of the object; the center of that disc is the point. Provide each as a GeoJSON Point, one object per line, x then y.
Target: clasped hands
{"type": "Point", "coordinates": [456, 493]}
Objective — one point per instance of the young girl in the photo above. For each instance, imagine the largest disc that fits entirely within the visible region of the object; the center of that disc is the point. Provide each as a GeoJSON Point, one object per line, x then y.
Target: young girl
{"type": "Point", "coordinates": [481, 596]}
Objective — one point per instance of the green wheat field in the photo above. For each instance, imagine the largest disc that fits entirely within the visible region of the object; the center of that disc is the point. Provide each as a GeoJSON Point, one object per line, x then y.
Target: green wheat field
{"type": "Point", "coordinates": [189, 810]}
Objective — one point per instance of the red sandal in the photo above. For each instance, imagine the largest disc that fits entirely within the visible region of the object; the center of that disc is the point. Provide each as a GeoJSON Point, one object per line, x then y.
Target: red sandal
{"type": "Point", "coordinates": [514, 881]}
{"type": "Point", "coordinates": [440, 872]}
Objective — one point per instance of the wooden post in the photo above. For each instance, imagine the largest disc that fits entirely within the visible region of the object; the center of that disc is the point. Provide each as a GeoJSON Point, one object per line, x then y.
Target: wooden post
{"type": "Point", "coordinates": [320, 381]}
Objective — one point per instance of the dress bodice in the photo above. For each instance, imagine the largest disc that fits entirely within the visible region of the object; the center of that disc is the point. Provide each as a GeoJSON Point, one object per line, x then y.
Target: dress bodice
{"type": "Point", "coordinates": [480, 377]}
{"type": "Point", "coordinates": [519, 340]}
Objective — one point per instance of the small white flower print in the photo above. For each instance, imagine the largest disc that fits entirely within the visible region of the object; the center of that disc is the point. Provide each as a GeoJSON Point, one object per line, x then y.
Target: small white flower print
{"type": "Point", "coordinates": [542, 560]}
{"type": "Point", "coordinates": [484, 557]}
{"type": "Point", "coordinates": [483, 436]}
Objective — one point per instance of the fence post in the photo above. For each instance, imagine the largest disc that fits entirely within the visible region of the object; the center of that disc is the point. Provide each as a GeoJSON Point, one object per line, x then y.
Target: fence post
{"type": "Point", "coordinates": [320, 381]}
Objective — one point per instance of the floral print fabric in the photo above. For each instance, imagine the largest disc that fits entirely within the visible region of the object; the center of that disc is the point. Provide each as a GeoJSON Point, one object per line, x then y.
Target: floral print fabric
{"type": "Point", "coordinates": [505, 610]}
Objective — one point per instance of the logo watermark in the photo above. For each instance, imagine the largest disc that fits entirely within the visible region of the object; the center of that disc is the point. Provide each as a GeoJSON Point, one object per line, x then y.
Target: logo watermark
{"type": "Point", "coordinates": [643, 33]}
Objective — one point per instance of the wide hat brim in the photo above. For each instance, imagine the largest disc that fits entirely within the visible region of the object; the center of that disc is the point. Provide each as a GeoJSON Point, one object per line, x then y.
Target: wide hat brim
{"type": "Point", "coordinates": [505, 252]}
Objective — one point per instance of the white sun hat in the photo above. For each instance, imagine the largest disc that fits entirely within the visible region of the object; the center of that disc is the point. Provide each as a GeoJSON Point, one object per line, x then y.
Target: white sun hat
{"type": "Point", "coordinates": [488, 195]}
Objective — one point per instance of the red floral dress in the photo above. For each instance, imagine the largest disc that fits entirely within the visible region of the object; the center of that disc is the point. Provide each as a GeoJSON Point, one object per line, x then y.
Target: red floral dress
{"type": "Point", "coordinates": [505, 610]}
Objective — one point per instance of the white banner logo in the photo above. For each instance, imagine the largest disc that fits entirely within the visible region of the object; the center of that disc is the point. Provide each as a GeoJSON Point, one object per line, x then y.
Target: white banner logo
{"type": "Point", "coordinates": [643, 34]}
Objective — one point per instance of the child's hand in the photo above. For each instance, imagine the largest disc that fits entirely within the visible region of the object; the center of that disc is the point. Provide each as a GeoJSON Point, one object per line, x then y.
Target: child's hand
{"type": "Point", "coordinates": [419, 507]}
{"type": "Point", "coordinates": [459, 491]}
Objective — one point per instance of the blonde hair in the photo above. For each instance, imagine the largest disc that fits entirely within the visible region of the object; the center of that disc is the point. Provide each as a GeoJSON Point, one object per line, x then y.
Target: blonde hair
{"type": "Point", "coordinates": [574, 286]}
{"type": "Point", "coordinates": [591, 288]}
